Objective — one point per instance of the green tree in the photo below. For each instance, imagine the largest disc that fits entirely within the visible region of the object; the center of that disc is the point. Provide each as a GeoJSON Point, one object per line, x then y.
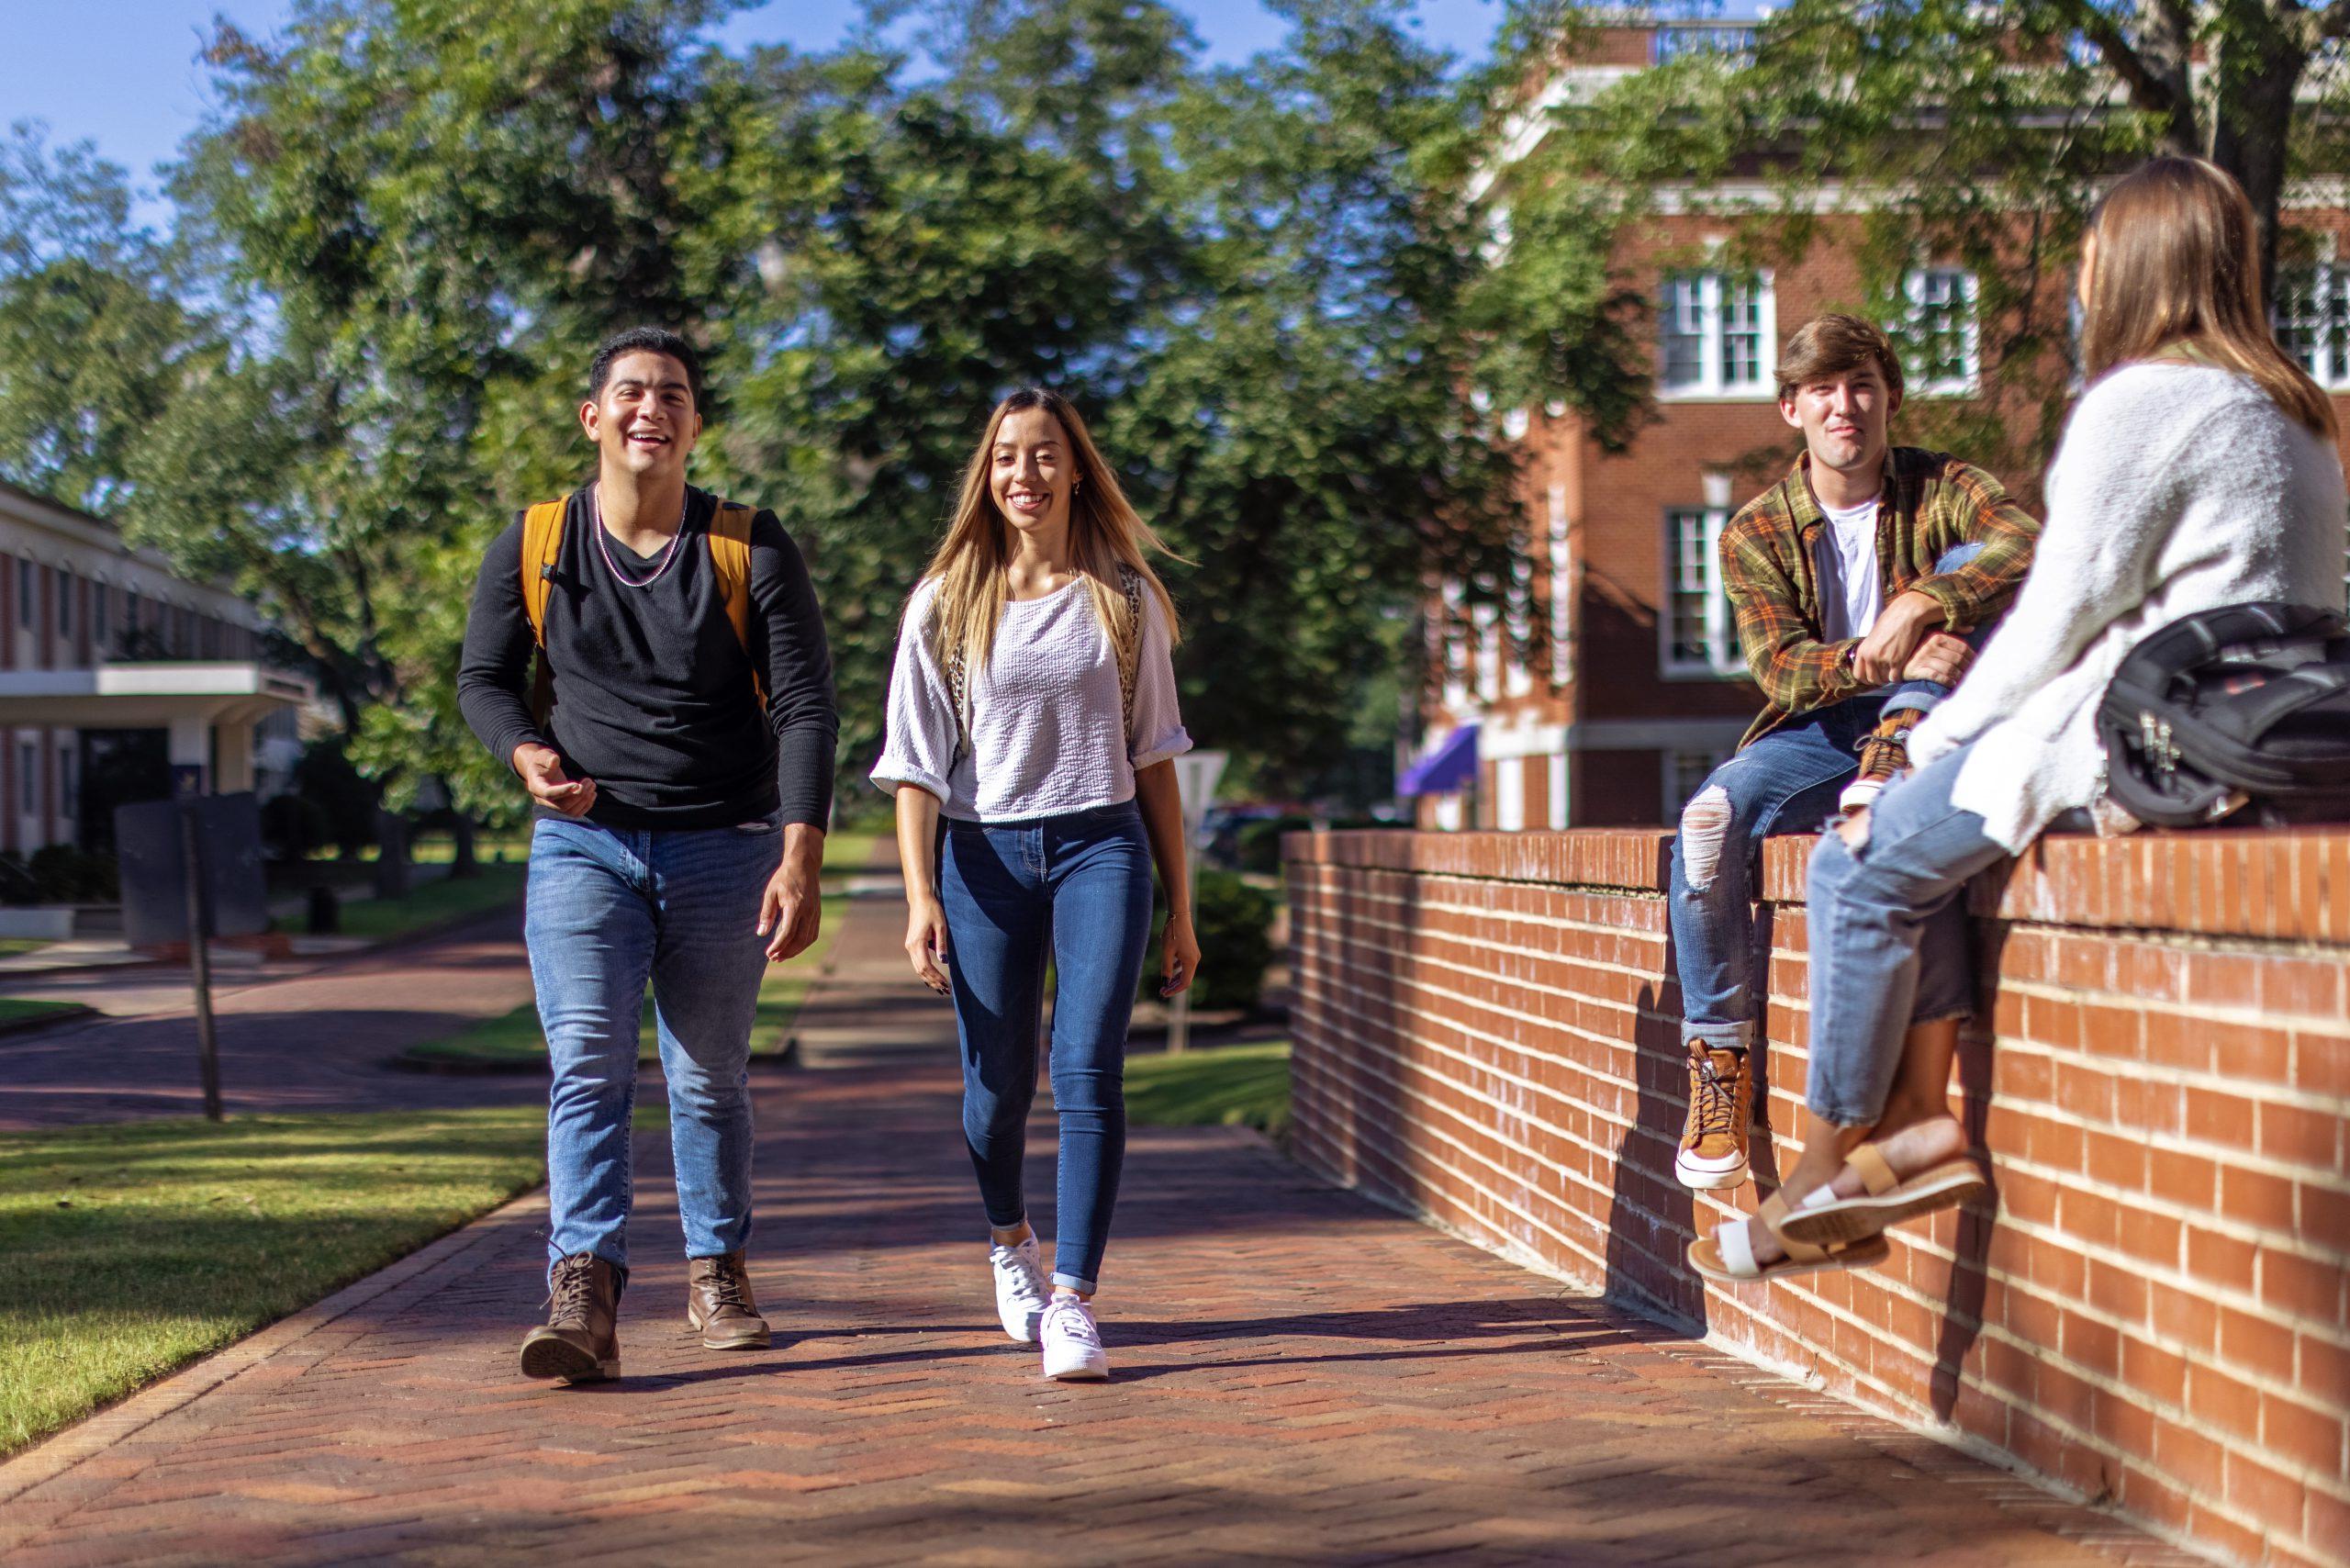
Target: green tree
{"type": "Point", "coordinates": [95, 342]}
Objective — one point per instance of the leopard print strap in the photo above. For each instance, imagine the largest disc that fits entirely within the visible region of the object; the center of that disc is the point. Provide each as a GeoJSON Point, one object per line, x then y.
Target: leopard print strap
{"type": "Point", "coordinates": [1129, 648]}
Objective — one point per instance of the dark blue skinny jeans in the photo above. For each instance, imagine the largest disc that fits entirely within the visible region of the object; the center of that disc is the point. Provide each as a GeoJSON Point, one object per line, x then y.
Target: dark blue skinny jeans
{"type": "Point", "coordinates": [1075, 888]}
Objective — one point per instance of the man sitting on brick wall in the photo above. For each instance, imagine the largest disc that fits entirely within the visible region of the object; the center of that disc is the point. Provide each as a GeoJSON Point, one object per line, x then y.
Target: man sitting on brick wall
{"type": "Point", "coordinates": [1869, 563]}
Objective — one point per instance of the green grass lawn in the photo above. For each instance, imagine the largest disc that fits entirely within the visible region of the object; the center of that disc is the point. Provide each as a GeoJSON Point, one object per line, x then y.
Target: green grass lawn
{"type": "Point", "coordinates": [845, 852]}
{"type": "Point", "coordinates": [514, 1040]}
{"type": "Point", "coordinates": [1225, 1086]}
{"type": "Point", "coordinates": [10, 947]}
{"type": "Point", "coordinates": [130, 1250]}
{"type": "Point", "coordinates": [430, 902]}
{"type": "Point", "coordinates": [18, 1010]}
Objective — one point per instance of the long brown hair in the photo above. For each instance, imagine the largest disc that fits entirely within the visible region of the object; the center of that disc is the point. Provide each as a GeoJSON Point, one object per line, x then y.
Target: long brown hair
{"type": "Point", "coordinates": [2176, 266]}
{"type": "Point", "coordinates": [1104, 534]}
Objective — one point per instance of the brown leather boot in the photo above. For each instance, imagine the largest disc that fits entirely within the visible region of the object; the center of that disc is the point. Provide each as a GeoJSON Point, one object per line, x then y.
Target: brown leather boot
{"type": "Point", "coordinates": [579, 1342]}
{"type": "Point", "coordinates": [719, 1305]}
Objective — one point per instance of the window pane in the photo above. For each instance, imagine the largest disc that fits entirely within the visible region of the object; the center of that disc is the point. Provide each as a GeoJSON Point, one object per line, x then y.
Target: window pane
{"type": "Point", "coordinates": [1683, 318]}
{"type": "Point", "coordinates": [1741, 333]}
{"type": "Point", "coordinates": [1687, 537]}
{"type": "Point", "coordinates": [1942, 320]}
{"type": "Point", "coordinates": [2305, 318]}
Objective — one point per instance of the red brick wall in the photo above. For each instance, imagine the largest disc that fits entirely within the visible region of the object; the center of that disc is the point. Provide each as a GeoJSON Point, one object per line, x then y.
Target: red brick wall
{"type": "Point", "coordinates": [2154, 1311]}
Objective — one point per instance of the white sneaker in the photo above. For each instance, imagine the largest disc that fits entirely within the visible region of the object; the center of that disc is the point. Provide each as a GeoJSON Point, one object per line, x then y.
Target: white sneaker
{"type": "Point", "coordinates": [1073, 1350]}
{"type": "Point", "coordinates": [1020, 1288]}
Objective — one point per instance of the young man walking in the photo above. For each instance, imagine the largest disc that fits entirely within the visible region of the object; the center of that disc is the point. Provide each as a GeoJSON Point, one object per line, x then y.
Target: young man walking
{"type": "Point", "coordinates": [1868, 565]}
{"type": "Point", "coordinates": [676, 743]}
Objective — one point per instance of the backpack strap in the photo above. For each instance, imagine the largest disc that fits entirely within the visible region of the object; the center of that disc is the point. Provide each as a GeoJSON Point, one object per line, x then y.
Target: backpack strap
{"type": "Point", "coordinates": [542, 543]}
{"type": "Point", "coordinates": [730, 559]}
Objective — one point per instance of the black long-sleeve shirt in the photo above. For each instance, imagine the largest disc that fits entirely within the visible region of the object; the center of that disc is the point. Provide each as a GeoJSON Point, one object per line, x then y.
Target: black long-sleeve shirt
{"type": "Point", "coordinates": [653, 691]}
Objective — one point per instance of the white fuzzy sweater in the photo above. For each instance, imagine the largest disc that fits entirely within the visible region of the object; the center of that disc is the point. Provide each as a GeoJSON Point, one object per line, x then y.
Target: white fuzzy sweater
{"type": "Point", "coordinates": [1046, 713]}
{"type": "Point", "coordinates": [2177, 488]}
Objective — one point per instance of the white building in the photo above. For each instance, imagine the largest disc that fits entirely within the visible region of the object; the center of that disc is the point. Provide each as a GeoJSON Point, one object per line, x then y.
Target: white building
{"type": "Point", "coordinates": [119, 679]}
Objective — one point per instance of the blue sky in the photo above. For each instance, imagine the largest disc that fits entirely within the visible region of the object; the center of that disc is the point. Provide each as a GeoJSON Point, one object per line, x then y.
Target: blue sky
{"type": "Point", "coordinates": [123, 73]}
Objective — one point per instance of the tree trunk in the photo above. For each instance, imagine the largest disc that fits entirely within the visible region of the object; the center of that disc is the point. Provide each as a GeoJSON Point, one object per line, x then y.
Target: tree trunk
{"type": "Point", "coordinates": [2255, 75]}
{"type": "Point", "coordinates": [461, 858]}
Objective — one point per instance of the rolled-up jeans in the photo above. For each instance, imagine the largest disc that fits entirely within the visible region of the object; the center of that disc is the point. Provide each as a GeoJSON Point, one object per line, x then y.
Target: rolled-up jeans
{"type": "Point", "coordinates": [1074, 888]}
{"type": "Point", "coordinates": [608, 910]}
{"type": "Point", "coordinates": [1888, 937]}
{"type": "Point", "coordinates": [1787, 781]}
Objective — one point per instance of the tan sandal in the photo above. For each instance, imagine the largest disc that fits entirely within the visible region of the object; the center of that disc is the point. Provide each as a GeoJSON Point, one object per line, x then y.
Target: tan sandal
{"type": "Point", "coordinates": [1825, 1219]}
{"type": "Point", "coordinates": [1727, 1256]}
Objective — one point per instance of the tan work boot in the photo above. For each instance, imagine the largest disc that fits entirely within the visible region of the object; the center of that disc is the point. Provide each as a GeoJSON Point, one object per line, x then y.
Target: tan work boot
{"type": "Point", "coordinates": [719, 1305]}
{"type": "Point", "coordinates": [1713, 1141]}
{"type": "Point", "coordinates": [1884, 756]}
{"type": "Point", "coordinates": [579, 1342]}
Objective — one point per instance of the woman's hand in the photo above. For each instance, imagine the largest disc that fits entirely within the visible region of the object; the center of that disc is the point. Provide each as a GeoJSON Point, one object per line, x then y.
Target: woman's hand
{"type": "Point", "coordinates": [926, 942]}
{"type": "Point", "coordinates": [1180, 955]}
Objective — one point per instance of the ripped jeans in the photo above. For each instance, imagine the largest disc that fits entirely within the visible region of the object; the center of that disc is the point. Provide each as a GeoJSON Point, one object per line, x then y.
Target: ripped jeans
{"type": "Point", "coordinates": [1785, 782]}
{"type": "Point", "coordinates": [1888, 937]}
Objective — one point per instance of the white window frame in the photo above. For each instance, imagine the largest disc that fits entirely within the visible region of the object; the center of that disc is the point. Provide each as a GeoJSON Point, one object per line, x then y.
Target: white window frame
{"type": "Point", "coordinates": [1723, 660]}
{"type": "Point", "coordinates": [1915, 286]}
{"type": "Point", "coordinates": [2324, 315]}
{"type": "Point", "coordinates": [1701, 318]}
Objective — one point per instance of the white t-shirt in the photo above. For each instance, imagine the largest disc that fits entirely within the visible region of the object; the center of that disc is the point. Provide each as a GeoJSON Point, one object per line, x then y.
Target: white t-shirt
{"type": "Point", "coordinates": [1045, 713]}
{"type": "Point", "coordinates": [1852, 592]}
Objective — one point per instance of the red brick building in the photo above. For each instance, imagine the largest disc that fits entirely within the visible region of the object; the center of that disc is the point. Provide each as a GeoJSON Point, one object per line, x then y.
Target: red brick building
{"type": "Point", "coordinates": [1644, 690]}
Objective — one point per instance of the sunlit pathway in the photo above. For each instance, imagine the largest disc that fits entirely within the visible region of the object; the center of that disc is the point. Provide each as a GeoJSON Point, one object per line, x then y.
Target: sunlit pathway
{"type": "Point", "coordinates": [1299, 1377]}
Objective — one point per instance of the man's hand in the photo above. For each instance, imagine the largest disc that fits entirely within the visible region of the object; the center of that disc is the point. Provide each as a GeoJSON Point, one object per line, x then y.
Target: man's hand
{"type": "Point", "coordinates": [1941, 658]}
{"type": "Point", "coordinates": [540, 770]}
{"type": "Point", "coordinates": [789, 911]}
{"type": "Point", "coordinates": [1879, 658]}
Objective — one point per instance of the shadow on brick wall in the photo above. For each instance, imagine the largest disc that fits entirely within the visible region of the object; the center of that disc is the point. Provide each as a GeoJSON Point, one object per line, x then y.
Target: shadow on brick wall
{"type": "Point", "coordinates": [1961, 1321]}
{"type": "Point", "coordinates": [1651, 1217]}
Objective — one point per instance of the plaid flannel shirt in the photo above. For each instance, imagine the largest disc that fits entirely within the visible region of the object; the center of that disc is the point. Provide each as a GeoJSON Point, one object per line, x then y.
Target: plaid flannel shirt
{"type": "Point", "coordinates": [1931, 502]}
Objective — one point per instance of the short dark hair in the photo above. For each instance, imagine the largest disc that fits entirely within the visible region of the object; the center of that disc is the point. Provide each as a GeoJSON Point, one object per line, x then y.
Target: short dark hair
{"type": "Point", "coordinates": [643, 340]}
{"type": "Point", "coordinates": [1831, 345]}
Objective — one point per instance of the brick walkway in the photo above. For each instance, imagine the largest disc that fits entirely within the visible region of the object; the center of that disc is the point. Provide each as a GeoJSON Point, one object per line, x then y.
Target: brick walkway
{"type": "Point", "coordinates": [318, 1041]}
{"type": "Point", "coordinates": [1299, 1377]}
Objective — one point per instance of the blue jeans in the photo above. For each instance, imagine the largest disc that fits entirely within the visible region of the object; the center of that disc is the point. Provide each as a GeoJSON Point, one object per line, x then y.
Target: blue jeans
{"type": "Point", "coordinates": [608, 911]}
{"type": "Point", "coordinates": [1785, 782]}
{"type": "Point", "coordinates": [1075, 888]}
{"type": "Point", "coordinates": [1888, 937]}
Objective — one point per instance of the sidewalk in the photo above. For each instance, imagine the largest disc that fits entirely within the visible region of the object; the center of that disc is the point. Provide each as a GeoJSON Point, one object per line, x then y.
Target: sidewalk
{"type": "Point", "coordinates": [317, 1041]}
{"type": "Point", "coordinates": [1298, 1376]}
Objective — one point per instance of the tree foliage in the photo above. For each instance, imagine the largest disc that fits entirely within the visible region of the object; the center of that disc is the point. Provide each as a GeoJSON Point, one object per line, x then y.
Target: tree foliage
{"type": "Point", "coordinates": [411, 220]}
{"type": "Point", "coordinates": [1939, 131]}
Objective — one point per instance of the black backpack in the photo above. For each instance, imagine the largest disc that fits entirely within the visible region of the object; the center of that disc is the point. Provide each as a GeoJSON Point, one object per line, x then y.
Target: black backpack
{"type": "Point", "coordinates": [2249, 703]}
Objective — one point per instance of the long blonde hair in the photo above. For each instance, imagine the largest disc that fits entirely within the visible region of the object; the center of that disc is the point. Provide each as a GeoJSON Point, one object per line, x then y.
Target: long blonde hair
{"type": "Point", "coordinates": [2177, 266]}
{"type": "Point", "coordinates": [1105, 536]}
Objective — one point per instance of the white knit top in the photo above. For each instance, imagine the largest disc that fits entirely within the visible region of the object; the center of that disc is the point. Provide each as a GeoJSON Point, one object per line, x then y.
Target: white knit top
{"type": "Point", "coordinates": [2177, 488]}
{"type": "Point", "coordinates": [1045, 722]}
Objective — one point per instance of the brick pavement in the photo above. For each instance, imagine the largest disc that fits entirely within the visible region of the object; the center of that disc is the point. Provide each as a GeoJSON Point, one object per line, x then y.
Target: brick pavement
{"type": "Point", "coordinates": [318, 1041]}
{"type": "Point", "coordinates": [1299, 1377]}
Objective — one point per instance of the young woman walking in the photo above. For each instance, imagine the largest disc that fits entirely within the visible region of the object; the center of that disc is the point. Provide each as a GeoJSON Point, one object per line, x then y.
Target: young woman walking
{"type": "Point", "coordinates": [1034, 706]}
{"type": "Point", "coordinates": [2199, 470]}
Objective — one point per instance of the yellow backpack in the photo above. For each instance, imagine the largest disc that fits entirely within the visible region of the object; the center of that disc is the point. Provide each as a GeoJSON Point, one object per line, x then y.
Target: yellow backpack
{"type": "Point", "coordinates": [730, 557]}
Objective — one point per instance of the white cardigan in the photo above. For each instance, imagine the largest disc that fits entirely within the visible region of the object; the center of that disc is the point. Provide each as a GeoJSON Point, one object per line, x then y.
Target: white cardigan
{"type": "Point", "coordinates": [1047, 735]}
{"type": "Point", "coordinates": [2177, 488]}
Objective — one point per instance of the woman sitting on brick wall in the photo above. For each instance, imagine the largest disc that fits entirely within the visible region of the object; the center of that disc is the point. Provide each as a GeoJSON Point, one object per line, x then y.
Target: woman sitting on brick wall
{"type": "Point", "coordinates": [2199, 469]}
